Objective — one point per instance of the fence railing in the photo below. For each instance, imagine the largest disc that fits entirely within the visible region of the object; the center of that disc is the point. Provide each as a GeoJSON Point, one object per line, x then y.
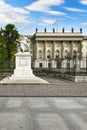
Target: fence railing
{"type": "Point", "coordinates": [9, 66]}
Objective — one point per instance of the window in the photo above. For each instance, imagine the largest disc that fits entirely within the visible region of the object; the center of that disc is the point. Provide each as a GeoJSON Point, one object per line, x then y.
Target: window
{"type": "Point", "coordinates": [57, 54]}
{"type": "Point", "coordinates": [40, 65]}
{"type": "Point", "coordinates": [74, 53]}
{"type": "Point", "coordinates": [65, 54]}
{"type": "Point", "coordinates": [40, 54]}
{"type": "Point", "coordinates": [49, 65]}
{"type": "Point", "coordinates": [48, 54]}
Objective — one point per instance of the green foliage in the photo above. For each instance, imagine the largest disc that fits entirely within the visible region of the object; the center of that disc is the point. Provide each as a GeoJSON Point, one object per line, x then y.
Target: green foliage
{"type": "Point", "coordinates": [8, 37]}
{"type": "Point", "coordinates": [36, 70]}
{"type": "Point", "coordinates": [7, 66]}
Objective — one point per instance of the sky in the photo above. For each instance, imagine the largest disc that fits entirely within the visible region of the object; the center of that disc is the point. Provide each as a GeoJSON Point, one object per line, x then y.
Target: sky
{"type": "Point", "coordinates": [27, 15]}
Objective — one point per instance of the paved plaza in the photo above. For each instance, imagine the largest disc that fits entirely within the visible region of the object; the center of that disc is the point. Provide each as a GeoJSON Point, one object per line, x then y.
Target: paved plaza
{"type": "Point", "coordinates": [56, 87]}
{"type": "Point", "coordinates": [43, 113]}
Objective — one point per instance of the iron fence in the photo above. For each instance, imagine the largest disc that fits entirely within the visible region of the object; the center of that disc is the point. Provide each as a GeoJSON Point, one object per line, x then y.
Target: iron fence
{"type": "Point", "coordinates": [9, 66]}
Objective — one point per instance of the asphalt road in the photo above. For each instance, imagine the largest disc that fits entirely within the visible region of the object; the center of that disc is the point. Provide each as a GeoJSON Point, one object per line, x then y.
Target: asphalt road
{"type": "Point", "coordinates": [56, 87]}
{"type": "Point", "coordinates": [43, 113]}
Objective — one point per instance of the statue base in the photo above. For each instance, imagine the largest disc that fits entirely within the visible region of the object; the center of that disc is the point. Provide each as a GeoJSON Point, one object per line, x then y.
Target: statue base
{"type": "Point", "coordinates": [23, 72]}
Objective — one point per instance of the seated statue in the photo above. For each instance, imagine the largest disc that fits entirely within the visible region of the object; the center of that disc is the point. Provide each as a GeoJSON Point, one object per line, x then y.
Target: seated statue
{"type": "Point", "coordinates": [23, 44]}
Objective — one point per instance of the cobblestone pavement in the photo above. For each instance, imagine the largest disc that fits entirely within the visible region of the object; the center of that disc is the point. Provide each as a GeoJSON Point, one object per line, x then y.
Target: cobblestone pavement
{"type": "Point", "coordinates": [43, 113]}
{"type": "Point", "coordinates": [57, 87]}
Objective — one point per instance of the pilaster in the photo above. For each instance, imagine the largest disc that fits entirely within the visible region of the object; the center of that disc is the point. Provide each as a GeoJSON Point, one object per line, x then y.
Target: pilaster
{"type": "Point", "coordinates": [62, 50]}
{"type": "Point", "coordinates": [36, 51]}
{"type": "Point", "coordinates": [71, 50]}
{"type": "Point", "coordinates": [80, 48]}
{"type": "Point", "coordinates": [44, 51]}
{"type": "Point", "coordinates": [53, 50]}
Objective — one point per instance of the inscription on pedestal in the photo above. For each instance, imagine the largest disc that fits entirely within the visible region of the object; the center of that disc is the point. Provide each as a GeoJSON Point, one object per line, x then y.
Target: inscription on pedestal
{"type": "Point", "coordinates": [23, 62]}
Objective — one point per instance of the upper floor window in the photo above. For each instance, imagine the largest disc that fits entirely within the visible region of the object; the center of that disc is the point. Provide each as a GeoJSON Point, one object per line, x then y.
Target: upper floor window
{"type": "Point", "coordinates": [66, 54]}
{"type": "Point", "coordinates": [48, 54]}
{"type": "Point", "coordinates": [57, 54]}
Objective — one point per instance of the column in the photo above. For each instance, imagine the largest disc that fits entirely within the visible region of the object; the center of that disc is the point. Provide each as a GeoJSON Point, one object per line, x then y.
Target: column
{"type": "Point", "coordinates": [53, 50]}
{"type": "Point", "coordinates": [44, 51]}
{"type": "Point", "coordinates": [36, 51]}
{"type": "Point", "coordinates": [80, 49]}
{"type": "Point", "coordinates": [71, 49]}
{"type": "Point", "coordinates": [62, 50]}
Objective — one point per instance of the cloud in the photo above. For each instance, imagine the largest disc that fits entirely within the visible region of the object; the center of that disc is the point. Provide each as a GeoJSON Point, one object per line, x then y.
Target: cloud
{"type": "Point", "coordinates": [45, 6]}
{"type": "Point", "coordinates": [49, 21]}
{"type": "Point", "coordinates": [75, 9]}
{"type": "Point", "coordinates": [84, 23]}
{"type": "Point", "coordinates": [83, 2]}
{"type": "Point", "coordinates": [9, 14]}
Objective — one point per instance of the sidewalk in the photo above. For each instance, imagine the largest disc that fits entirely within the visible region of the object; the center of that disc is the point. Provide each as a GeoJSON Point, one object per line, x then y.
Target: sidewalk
{"type": "Point", "coordinates": [57, 87]}
{"type": "Point", "coordinates": [43, 113]}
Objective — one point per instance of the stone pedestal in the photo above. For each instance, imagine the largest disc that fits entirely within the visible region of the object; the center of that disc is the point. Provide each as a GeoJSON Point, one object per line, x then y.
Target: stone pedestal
{"type": "Point", "coordinates": [23, 65]}
{"type": "Point", "coordinates": [23, 72]}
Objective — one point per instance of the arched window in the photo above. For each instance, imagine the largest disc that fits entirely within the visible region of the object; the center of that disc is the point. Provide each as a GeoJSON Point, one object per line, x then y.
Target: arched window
{"type": "Point", "coordinates": [40, 54]}
{"type": "Point", "coordinates": [57, 54]}
{"type": "Point", "coordinates": [66, 54]}
{"type": "Point", "coordinates": [48, 54]}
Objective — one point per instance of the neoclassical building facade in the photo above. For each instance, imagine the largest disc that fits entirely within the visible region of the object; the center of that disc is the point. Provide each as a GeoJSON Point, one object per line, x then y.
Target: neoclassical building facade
{"type": "Point", "coordinates": [51, 49]}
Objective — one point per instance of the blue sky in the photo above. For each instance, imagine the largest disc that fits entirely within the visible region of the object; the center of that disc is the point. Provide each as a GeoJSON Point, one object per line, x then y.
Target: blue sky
{"type": "Point", "coordinates": [27, 15]}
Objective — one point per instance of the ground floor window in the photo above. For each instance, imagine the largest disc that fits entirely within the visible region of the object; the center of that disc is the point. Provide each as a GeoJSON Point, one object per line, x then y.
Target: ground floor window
{"type": "Point", "coordinates": [40, 65]}
{"type": "Point", "coordinates": [58, 65]}
{"type": "Point", "coordinates": [49, 65]}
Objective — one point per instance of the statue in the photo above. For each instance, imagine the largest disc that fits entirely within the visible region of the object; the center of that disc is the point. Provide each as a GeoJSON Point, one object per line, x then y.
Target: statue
{"type": "Point", "coordinates": [63, 30]}
{"type": "Point", "coordinates": [36, 30]}
{"type": "Point", "coordinates": [80, 30]}
{"type": "Point", "coordinates": [45, 30]}
{"type": "Point", "coordinates": [23, 44]}
{"type": "Point", "coordinates": [53, 30]}
{"type": "Point", "coordinates": [72, 30]}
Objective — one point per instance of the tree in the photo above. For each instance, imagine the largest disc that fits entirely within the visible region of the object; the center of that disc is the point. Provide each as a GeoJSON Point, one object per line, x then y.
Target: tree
{"type": "Point", "coordinates": [10, 35]}
{"type": "Point", "coordinates": [3, 54]}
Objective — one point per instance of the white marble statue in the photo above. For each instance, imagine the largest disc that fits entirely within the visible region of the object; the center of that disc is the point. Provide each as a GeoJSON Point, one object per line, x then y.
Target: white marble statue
{"type": "Point", "coordinates": [23, 44]}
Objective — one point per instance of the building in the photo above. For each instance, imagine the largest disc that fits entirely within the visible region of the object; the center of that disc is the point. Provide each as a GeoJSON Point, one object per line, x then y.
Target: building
{"type": "Point", "coordinates": [52, 49]}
